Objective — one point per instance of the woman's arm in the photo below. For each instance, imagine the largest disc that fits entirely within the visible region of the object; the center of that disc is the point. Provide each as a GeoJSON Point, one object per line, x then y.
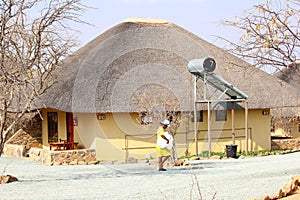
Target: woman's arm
{"type": "Point", "coordinates": [165, 138]}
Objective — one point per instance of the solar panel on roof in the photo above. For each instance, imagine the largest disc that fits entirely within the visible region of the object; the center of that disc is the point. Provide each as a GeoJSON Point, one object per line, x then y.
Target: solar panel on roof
{"type": "Point", "coordinates": [204, 67]}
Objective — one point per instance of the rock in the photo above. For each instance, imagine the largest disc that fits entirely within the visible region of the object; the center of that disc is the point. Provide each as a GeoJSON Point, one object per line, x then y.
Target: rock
{"type": "Point", "coordinates": [74, 162]}
{"type": "Point", "coordinates": [295, 184]}
{"type": "Point", "coordinates": [7, 179]}
{"type": "Point", "coordinates": [64, 155]}
{"type": "Point", "coordinates": [61, 160]}
{"type": "Point", "coordinates": [186, 164]}
{"type": "Point", "coordinates": [74, 156]}
{"type": "Point", "coordinates": [287, 189]}
{"type": "Point", "coordinates": [280, 194]}
{"type": "Point", "coordinates": [243, 157]}
{"type": "Point", "coordinates": [82, 163]}
{"type": "Point", "coordinates": [195, 158]}
{"type": "Point", "coordinates": [215, 157]}
{"type": "Point", "coordinates": [92, 163]}
{"type": "Point", "coordinates": [180, 162]}
{"type": "Point", "coordinates": [273, 197]}
{"type": "Point", "coordinates": [56, 163]}
{"type": "Point", "coordinates": [294, 178]}
{"type": "Point", "coordinates": [170, 165]}
{"type": "Point", "coordinates": [90, 158]}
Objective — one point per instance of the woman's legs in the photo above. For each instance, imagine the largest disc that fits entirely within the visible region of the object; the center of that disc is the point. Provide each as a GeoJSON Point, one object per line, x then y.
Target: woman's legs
{"type": "Point", "coordinates": [160, 165]}
{"type": "Point", "coordinates": [161, 161]}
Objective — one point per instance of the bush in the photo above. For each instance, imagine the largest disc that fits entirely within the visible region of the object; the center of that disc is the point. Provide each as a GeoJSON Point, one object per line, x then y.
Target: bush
{"type": "Point", "coordinates": [204, 154]}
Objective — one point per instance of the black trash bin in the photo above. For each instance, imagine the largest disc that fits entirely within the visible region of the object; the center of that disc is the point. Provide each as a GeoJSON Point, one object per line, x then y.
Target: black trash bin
{"type": "Point", "coordinates": [231, 150]}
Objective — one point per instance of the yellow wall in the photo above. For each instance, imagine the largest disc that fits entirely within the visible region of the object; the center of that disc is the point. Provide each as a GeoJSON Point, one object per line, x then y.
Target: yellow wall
{"type": "Point", "coordinates": [120, 128]}
{"type": "Point", "coordinates": [111, 132]}
{"type": "Point", "coordinates": [221, 132]}
{"type": "Point", "coordinates": [108, 135]}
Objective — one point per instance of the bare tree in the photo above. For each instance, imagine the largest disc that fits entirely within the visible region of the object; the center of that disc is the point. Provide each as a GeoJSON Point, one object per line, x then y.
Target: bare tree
{"type": "Point", "coordinates": [270, 39]}
{"type": "Point", "coordinates": [286, 124]}
{"type": "Point", "coordinates": [270, 34]}
{"type": "Point", "coordinates": [157, 103]}
{"type": "Point", "coordinates": [34, 39]}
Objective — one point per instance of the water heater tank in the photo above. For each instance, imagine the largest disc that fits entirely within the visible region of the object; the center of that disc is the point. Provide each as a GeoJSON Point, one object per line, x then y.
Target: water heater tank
{"type": "Point", "coordinates": [202, 65]}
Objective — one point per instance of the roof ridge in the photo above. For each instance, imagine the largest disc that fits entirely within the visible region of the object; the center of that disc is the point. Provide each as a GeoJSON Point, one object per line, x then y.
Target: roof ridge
{"type": "Point", "coordinates": [146, 21]}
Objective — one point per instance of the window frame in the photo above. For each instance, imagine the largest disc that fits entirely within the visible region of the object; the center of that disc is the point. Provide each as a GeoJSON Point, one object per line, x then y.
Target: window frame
{"type": "Point", "coordinates": [199, 116]}
{"type": "Point", "coordinates": [52, 126]}
{"type": "Point", "coordinates": [221, 115]}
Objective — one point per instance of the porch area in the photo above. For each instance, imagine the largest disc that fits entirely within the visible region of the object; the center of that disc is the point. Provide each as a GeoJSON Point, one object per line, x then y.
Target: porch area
{"type": "Point", "coordinates": [63, 145]}
{"type": "Point", "coordinates": [65, 157]}
{"type": "Point", "coordinates": [22, 145]}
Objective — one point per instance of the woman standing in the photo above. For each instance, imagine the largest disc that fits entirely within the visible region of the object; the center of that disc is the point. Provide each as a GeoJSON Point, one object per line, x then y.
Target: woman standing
{"type": "Point", "coordinates": [162, 153]}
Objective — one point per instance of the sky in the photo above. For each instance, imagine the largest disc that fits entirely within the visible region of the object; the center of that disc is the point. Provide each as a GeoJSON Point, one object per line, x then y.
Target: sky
{"type": "Point", "coordinates": [201, 17]}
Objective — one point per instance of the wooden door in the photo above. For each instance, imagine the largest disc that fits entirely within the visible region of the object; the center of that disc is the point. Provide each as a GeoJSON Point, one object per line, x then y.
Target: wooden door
{"type": "Point", "coordinates": [70, 130]}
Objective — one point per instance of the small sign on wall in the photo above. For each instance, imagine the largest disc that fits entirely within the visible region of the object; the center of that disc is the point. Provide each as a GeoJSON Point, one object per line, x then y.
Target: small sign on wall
{"type": "Point", "coordinates": [265, 112]}
{"type": "Point", "coordinates": [75, 122]}
{"type": "Point", "coordinates": [101, 116]}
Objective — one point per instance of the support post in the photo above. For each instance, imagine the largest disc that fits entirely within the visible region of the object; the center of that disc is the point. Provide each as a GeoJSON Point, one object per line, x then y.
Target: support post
{"type": "Point", "coordinates": [233, 124]}
{"type": "Point", "coordinates": [126, 149]}
{"type": "Point", "coordinates": [195, 115]}
{"type": "Point", "coordinates": [196, 128]}
{"type": "Point", "coordinates": [70, 131]}
{"type": "Point", "coordinates": [209, 129]}
{"type": "Point", "coordinates": [246, 126]}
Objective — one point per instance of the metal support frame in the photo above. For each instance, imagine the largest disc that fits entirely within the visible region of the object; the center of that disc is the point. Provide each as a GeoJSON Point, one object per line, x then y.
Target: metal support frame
{"type": "Point", "coordinates": [209, 101]}
{"type": "Point", "coordinates": [195, 114]}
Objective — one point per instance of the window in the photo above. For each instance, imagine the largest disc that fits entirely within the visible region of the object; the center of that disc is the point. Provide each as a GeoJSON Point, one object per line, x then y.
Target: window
{"type": "Point", "coordinates": [221, 115]}
{"type": "Point", "coordinates": [52, 119]}
{"type": "Point", "coordinates": [145, 118]}
{"type": "Point", "coordinates": [199, 116]}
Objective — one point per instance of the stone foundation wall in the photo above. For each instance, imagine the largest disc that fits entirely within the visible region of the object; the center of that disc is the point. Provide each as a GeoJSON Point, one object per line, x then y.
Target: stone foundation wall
{"type": "Point", "coordinates": [19, 144]}
{"type": "Point", "coordinates": [68, 157]}
{"type": "Point", "coordinates": [13, 150]}
{"type": "Point", "coordinates": [40, 155]}
{"type": "Point", "coordinates": [277, 144]}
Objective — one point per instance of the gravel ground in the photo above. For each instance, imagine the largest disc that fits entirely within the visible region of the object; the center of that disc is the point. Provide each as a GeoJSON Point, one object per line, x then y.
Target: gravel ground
{"type": "Point", "coordinates": [226, 179]}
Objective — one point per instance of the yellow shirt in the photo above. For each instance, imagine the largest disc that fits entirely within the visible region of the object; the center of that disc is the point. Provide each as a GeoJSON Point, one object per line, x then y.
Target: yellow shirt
{"type": "Point", "coordinates": [161, 151]}
{"type": "Point", "coordinates": [160, 131]}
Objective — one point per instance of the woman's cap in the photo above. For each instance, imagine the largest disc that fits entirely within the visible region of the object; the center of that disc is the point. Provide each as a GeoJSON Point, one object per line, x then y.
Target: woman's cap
{"type": "Point", "coordinates": [165, 122]}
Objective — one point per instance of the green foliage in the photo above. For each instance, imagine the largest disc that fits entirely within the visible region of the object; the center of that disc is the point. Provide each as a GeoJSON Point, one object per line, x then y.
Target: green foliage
{"type": "Point", "coordinates": [204, 154]}
{"type": "Point", "coordinates": [262, 152]}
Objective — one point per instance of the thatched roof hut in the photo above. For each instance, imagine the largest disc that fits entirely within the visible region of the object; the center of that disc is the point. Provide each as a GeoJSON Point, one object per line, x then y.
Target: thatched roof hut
{"type": "Point", "coordinates": [103, 75]}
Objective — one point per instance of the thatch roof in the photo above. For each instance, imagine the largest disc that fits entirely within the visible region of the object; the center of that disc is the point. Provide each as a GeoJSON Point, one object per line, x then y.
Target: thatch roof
{"type": "Point", "coordinates": [103, 75]}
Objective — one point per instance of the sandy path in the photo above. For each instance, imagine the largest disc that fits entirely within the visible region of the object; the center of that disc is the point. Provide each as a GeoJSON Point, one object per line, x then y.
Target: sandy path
{"type": "Point", "coordinates": [230, 179]}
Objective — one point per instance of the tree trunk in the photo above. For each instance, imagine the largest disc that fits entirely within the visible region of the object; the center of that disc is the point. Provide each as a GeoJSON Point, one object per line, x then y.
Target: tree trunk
{"type": "Point", "coordinates": [1, 148]}
{"type": "Point", "coordinates": [174, 157]}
